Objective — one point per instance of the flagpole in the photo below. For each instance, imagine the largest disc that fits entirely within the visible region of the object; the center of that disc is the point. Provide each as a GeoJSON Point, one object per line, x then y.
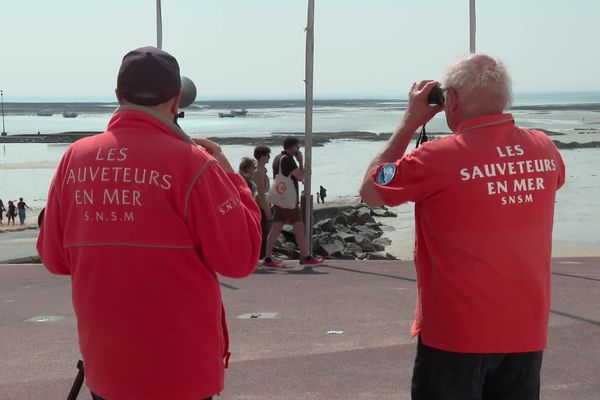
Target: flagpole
{"type": "Point", "coordinates": [158, 25]}
{"type": "Point", "coordinates": [472, 26]}
{"type": "Point", "coordinates": [308, 119]}
{"type": "Point", "coordinates": [2, 97]}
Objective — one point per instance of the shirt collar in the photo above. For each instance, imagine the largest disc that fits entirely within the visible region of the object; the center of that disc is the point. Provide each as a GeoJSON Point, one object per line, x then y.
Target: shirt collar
{"type": "Point", "coordinates": [484, 122]}
{"type": "Point", "coordinates": [150, 116]}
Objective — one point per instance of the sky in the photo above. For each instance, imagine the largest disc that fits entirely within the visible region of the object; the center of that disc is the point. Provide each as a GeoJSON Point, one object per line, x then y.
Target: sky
{"type": "Point", "coordinates": [70, 50]}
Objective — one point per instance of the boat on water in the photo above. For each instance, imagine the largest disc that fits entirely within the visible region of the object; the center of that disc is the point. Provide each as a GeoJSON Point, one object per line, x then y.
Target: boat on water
{"type": "Point", "coordinates": [45, 113]}
{"type": "Point", "coordinates": [241, 113]}
{"type": "Point", "coordinates": [70, 114]}
{"type": "Point", "coordinates": [234, 113]}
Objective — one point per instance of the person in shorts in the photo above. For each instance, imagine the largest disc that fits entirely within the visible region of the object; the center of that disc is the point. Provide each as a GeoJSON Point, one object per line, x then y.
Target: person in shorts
{"type": "Point", "coordinates": [292, 164]}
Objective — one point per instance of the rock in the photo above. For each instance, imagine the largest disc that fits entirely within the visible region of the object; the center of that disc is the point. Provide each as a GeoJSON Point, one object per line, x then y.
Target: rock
{"type": "Point", "coordinates": [362, 229]}
{"type": "Point", "coordinates": [346, 237]}
{"type": "Point", "coordinates": [341, 220]}
{"type": "Point", "coordinates": [329, 249]}
{"type": "Point", "coordinates": [290, 254]}
{"type": "Point", "coordinates": [383, 241]}
{"type": "Point", "coordinates": [374, 226]}
{"type": "Point", "coordinates": [352, 249]}
{"type": "Point", "coordinates": [363, 216]}
{"type": "Point", "coordinates": [350, 234]}
{"type": "Point", "coordinates": [326, 225]}
{"type": "Point", "coordinates": [365, 243]}
{"type": "Point", "coordinates": [381, 212]}
{"type": "Point", "coordinates": [288, 233]}
{"type": "Point", "coordinates": [380, 256]}
{"type": "Point", "coordinates": [290, 246]}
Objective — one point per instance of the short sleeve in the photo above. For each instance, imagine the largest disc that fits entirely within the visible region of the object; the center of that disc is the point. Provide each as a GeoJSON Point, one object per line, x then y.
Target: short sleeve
{"type": "Point", "coordinates": [407, 179]}
{"type": "Point", "coordinates": [288, 165]}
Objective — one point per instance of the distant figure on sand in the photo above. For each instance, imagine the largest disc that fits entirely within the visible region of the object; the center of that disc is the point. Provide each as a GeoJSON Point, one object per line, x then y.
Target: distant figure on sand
{"type": "Point", "coordinates": [21, 206]}
{"type": "Point", "coordinates": [2, 209]}
{"type": "Point", "coordinates": [11, 213]}
{"type": "Point", "coordinates": [261, 180]}
{"type": "Point", "coordinates": [322, 194]}
{"type": "Point", "coordinates": [483, 275]}
{"type": "Point", "coordinates": [285, 163]}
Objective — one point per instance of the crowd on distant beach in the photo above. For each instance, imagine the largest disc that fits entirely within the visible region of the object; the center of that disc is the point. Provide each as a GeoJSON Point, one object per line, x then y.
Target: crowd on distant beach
{"type": "Point", "coordinates": [12, 211]}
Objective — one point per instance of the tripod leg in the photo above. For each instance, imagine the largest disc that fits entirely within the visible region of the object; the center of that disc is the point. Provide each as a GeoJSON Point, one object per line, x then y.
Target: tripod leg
{"type": "Point", "coordinates": [78, 382]}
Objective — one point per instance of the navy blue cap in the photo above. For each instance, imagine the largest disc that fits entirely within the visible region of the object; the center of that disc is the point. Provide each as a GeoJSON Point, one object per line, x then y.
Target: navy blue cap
{"type": "Point", "coordinates": [148, 76]}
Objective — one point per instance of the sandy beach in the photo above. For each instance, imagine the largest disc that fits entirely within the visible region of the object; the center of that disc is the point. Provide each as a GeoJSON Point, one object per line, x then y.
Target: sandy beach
{"type": "Point", "coordinates": [585, 242]}
{"type": "Point", "coordinates": [30, 222]}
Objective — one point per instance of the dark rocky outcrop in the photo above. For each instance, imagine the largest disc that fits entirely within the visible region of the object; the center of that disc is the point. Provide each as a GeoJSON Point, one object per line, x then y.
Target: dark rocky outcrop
{"type": "Point", "coordinates": [576, 145]}
{"type": "Point", "coordinates": [344, 232]}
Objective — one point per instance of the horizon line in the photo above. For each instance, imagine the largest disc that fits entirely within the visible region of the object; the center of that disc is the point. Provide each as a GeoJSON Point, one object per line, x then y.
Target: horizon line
{"type": "Point", "coordinates": [101, 99]}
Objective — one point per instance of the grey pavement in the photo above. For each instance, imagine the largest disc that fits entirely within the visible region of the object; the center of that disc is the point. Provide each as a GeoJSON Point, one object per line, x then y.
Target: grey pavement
{"type": "Point", "coordinates": [17, 244]}
{"type": "Point", "coordinates": [338, 332]}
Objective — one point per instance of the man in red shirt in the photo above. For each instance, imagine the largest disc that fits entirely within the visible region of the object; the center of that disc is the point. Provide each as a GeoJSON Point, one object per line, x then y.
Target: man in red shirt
{"type": "Point", "coordinates": [150, 316]}
{"type": "Point", "coordinates": [484, 205]}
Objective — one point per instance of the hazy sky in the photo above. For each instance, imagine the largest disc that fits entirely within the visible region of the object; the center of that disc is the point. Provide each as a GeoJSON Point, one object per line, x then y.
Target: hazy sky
{"type": "Point", "coordinates": [251, 49]}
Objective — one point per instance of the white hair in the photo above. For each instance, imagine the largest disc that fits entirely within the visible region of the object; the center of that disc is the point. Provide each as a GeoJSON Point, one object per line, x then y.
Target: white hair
{"type": "Point", "coordinates": [481, 84]}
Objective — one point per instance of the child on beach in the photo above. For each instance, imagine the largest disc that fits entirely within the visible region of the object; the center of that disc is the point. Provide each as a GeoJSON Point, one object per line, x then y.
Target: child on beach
{"type": "Point", "coordinates": [11, 213]}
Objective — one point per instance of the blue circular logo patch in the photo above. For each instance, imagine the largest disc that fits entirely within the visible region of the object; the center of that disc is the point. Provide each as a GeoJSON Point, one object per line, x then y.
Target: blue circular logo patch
{"type": "Point", "coordinates": [386, 174]}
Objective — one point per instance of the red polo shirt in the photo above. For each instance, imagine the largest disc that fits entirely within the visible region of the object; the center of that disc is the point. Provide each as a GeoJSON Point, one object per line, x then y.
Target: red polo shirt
{"type": "Point", "coordinates": [483, 218]}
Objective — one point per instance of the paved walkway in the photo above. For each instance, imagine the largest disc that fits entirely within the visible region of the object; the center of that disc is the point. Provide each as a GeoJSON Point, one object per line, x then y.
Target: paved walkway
{"type": "Point", "coordinates": [18, 245]}
{"type": "Point", "coordinates": [338, 332]}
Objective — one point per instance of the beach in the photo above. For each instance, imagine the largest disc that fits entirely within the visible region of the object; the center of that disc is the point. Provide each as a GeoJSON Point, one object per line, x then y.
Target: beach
{"type": "Point", "coordinates": [348, 133]}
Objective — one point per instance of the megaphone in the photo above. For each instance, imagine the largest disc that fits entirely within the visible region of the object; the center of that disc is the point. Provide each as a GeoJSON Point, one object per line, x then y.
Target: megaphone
{"type": "Point", "coordinates": [188, 92]}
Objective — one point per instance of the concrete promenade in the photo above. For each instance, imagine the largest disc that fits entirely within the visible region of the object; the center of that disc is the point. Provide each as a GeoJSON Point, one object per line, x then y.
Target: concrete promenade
{"type": "Point", "coordinates": [337, 332]}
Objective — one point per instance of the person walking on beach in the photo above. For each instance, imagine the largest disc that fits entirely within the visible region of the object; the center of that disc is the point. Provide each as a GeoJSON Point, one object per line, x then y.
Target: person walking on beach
{"type": "Point", "coordinates": [483, 273]}
{"type": "Point", "coordinates": [322, 194]}
{"type": "Point", "coordinates": [286, 163]}
{"type": "Point", "coordinates": [21, 206]}
{"type": "Point", "coordinates": [11, 213]}
{"type": "Point", "coordinates": [261, 180]}
{"type": "Point", "coordinates": [147, 297]}
{"type": "Point", "coordinates": [2, 209]}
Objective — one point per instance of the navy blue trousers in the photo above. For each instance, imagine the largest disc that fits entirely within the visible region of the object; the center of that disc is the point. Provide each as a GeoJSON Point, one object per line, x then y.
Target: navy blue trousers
{"type": "Point", "coordinates": [444, 375]}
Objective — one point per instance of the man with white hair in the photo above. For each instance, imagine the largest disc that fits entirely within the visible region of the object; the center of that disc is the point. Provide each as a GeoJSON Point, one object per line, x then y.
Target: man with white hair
{"type": "Point", "coordinates": [484, 206]}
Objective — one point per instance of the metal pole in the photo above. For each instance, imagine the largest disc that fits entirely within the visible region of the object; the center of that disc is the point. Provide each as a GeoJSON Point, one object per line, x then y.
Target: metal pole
{"type": "Point", "coordinates": [308, 122]}
{"type": "Point", "coordinates": [472, 26]}
{"type": "Point", "coordinates": [158, 25]}
{"type": "Point", "coordinates": [2, 99]}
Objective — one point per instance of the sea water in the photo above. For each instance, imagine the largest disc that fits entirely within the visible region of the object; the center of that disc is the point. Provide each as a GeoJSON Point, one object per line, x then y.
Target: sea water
{"type": "Point", "coordinates": [26, 169]}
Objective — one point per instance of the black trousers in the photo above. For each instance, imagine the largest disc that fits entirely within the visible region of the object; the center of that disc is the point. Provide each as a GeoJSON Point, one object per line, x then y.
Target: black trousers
{"type": "Point", "coordinates": [444, 375]}
{"type": "Point", "coordinates": [95, 397]}
{"type": "Point", "coordinates": [264, 225]}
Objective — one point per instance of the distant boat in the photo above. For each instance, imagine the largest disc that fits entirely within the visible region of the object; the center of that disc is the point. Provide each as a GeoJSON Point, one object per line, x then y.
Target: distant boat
{"type": "Point", "coordinates": [234, 113]}
{"type": "Point", "coordinates": [70, 114]}
{"type": "Point", "coordinates": [241, 113]}
{"type": "Point", "coordinates": [45, 113]}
